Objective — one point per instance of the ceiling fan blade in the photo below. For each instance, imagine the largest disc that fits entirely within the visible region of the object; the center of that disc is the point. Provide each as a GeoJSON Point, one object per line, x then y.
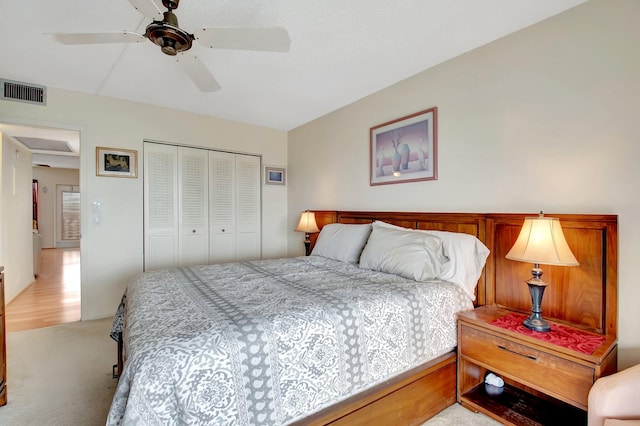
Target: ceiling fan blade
{"type": "Point", "coordinates": [268, 39]}
{"type": "Point", "coordinates": [97, 38]}
{"type": "Point", "coordinates": [198, 73]}
{"type": "Point", "coordinates": [147, 8]}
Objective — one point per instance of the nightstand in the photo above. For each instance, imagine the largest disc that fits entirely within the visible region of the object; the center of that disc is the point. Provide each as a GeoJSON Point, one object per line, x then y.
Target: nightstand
{"type": "Point", "coordinates": [547, 379]}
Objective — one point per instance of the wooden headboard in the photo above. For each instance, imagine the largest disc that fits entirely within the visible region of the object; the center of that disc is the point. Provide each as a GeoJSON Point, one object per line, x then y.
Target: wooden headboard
{"type": "Point", "coordinates": [583, 296]}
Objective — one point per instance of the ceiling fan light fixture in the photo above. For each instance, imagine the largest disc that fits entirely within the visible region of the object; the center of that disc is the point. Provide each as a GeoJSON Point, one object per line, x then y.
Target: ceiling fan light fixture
{"type": "Point", "coordinates": [168, 46]}
{"type": "Point", "coordinates": [166, 34]}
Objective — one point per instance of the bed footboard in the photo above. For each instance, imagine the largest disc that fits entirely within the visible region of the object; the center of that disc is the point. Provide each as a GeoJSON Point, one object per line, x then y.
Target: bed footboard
{"type": "Point", "coordinates": [409, 399]}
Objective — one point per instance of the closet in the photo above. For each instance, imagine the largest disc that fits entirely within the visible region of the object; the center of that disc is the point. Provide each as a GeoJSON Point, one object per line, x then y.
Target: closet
{"type": "Point", "coordinates": [200, 206]}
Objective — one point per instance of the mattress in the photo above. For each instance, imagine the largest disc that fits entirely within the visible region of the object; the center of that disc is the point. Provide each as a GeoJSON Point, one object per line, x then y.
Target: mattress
{"type": "Point", "coordinates": [271, 341]}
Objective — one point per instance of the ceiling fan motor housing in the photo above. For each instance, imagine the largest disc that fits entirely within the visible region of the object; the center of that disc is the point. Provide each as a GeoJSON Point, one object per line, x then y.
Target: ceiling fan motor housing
{"type": "Point", "coordinates": [171, 4]}
{"type": "Point", "coordinates": [166, 33]}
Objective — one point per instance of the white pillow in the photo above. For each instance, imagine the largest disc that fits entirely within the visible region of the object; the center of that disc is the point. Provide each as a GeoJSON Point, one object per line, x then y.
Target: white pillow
{"type": "Point", "coordinates": [417, 256]}
{"type": "Point", "coordinates": [467, 256]}
{"type": "Point", "coordinates": [343, 242]}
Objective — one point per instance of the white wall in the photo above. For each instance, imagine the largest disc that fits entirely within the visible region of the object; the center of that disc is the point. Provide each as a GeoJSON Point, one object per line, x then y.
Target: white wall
{"type": "Point", "coordinates": [112, 253]}
{"type": "Point", "coordinates": [543, 119]}
{"type": "Point", "coordinates": [16, 235]}
{"type": "Point", "coordinates": [48, 178]}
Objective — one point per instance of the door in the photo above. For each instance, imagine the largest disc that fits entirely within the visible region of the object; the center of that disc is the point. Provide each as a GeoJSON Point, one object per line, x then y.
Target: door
{"type": "Point", "coordinates": [193, 206]}
{"type": "Point", "coordinates": [201, 206]}
{"type": "Point", "coordinates": [222, 207]}
{"type": "Point", "coordinates": [176, 207]}
{"type": "Point", "coordinates": [67, 216]}
{"type": "Point", "coordinates": [248, 241]}
{"type": "Point", "coordinates": [160, 206]}
{"type": "Point", "coordinates": [234, 206]}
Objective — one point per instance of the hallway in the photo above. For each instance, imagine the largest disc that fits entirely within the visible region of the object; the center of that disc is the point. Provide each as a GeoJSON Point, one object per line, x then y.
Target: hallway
{"type": "Point", "coordinates": [53, 298]}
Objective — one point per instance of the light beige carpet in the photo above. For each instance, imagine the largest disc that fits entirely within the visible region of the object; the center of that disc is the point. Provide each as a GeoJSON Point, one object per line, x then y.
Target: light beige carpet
{"type": "Point", "coordinates": [456, 415]}
{"type": "Point", "coordinates": [61, 376]}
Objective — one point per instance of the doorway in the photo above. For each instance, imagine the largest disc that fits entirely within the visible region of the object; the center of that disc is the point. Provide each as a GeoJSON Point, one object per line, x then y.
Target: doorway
{"type": "Point", "coordinates": [54, 296]}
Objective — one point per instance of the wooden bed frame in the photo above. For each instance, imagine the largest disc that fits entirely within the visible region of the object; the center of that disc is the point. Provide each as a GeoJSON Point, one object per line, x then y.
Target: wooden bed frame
{"type": "Point", "coordinates": [584, 296]}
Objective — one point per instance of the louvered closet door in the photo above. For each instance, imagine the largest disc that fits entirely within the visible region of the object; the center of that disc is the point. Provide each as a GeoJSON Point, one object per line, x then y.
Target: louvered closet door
{"type": "Point", "coordinates": [222, 207]}
{"type": "Point", "coordinates": [248, 244]}
{"type": "Point", "coordinates": [193, 183]}
{"type": "Point", "coordinates": [160, 206]}
{"type": "Point", "coordinates": [234, 207]}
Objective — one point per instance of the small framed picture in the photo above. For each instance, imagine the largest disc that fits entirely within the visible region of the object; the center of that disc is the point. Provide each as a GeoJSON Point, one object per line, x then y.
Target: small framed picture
{"type": "Point", "coordinates": [275, 175]}
{"type": "Point", "coordinates": [116, 162]}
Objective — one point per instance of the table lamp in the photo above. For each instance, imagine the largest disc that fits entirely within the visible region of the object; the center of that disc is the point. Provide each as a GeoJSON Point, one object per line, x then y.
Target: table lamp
{"type": "Point", "coordinates": [541, 241]}
{"type": "Point", "coordinates": [307, 225]}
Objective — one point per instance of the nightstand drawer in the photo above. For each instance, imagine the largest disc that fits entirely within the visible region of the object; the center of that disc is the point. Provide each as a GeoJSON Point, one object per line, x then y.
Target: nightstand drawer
{"type": "Point", "coordinates": [556, 376]}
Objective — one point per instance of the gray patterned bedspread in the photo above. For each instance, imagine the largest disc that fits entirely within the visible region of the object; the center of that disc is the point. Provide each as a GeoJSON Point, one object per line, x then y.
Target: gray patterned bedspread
{"type": "Point", "coordinates": [269, 342]}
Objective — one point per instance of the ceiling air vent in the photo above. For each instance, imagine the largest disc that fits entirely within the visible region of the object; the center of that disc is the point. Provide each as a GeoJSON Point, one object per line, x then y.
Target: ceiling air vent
{"type": "Point", "coordinates": [23, 92]}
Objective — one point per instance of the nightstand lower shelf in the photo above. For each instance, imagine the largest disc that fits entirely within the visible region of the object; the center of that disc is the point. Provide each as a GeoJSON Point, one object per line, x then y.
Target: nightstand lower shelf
{"type": "Point", "coordinates": [522, 408]}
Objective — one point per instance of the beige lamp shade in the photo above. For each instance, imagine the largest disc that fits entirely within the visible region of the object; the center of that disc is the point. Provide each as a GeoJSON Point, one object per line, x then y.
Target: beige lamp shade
{"type": "Point", "coordinates": [307, 223]}
{"type": "Point", "coordinates": [542, 241]}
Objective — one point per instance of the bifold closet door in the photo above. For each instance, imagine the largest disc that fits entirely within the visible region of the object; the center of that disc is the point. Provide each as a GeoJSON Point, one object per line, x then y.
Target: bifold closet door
{"type": "Point", "coordinates": [176, 204]}
{"type": "Point", "coordinates": [193, 206]}
{"type": "Point", "coordinates": [249, 213]}
{"type": "Point", "coordinates": [200, 206]}
{"type": "Point", "coordinates": [222, 207]}
{"type": "Point", "coordinates": [160, 206]}
{"type": "Point", "coordinates": [234, 207]}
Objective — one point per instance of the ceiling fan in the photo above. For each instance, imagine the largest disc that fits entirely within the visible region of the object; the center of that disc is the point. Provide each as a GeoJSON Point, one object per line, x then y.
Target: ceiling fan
{"type": "Point", "coordinates": [165, 32]}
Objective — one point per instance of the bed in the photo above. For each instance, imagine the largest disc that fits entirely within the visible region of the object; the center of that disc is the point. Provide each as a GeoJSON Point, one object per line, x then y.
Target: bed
{"type": "Point", "coordinates": [311, 340]}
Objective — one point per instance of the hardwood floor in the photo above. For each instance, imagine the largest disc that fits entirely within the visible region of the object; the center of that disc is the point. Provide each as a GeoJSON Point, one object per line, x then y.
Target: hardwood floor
{"type": "Point", "coordinates": [53, 298]}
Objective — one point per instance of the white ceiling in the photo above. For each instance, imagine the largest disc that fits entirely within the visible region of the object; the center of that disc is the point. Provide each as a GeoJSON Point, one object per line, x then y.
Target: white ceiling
{"type": "Point", "coordinates": [341, 51]}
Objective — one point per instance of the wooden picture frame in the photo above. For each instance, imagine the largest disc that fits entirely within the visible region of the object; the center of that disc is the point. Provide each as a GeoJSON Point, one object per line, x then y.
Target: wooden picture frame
{"type": "Point", "coordinates": [405, 149]}
{"type": "Point", "coordinates": [275, 176]}
{"type": "Point", "coordinates": [116, 162]}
